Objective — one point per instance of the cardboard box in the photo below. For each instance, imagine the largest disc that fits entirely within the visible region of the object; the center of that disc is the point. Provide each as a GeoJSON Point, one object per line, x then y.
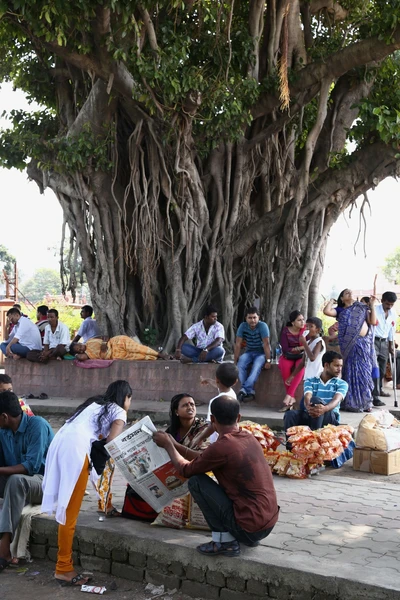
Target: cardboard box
{"type": "Point", "coordinates": [375, 461]}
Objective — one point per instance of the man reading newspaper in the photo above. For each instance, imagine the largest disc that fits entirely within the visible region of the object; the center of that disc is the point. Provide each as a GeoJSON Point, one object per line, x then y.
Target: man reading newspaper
{"type": "Point", "coordinates": [242, 506]}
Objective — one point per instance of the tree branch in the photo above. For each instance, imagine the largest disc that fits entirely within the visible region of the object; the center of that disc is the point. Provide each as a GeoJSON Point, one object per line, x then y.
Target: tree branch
{"type": "Point", "coordinates": [335, 191]}
{"type": "Point", "coordinates": [355, 55]}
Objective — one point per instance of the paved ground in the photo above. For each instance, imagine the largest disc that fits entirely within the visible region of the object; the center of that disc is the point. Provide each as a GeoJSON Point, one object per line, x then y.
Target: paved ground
{"type": "Point", "coordinates": [341, 522]}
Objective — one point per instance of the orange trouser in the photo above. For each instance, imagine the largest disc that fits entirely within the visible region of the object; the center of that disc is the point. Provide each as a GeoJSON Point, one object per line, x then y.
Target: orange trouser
{"type": "Point", "coordinates": [66, 532]}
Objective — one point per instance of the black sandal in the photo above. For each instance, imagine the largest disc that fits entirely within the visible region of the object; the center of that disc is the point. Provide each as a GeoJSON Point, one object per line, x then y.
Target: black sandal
{"type": "Point", "coordinates": [4, 563]}
{"type": "Point", "coordinates": [78, 580]}
{"type": "Point", "coordinates": [220, 548]}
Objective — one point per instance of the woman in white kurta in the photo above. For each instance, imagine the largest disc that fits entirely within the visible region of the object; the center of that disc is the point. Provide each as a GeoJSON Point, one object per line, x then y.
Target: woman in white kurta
{"type": "Point", "coordinates": [67, 466]}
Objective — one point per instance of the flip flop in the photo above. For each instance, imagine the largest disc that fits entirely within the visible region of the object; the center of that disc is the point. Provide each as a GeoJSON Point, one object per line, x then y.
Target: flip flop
{"type": "Point", "coordinates": [15, 562]}
{"type": "Point", "coordinates": [78, 580]}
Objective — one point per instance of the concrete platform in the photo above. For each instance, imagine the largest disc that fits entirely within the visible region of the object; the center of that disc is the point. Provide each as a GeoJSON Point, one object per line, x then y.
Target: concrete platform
{"type": "Point", "coordinates": [150, 380]}
{"type": "Point", "coordinates": [338, 536]}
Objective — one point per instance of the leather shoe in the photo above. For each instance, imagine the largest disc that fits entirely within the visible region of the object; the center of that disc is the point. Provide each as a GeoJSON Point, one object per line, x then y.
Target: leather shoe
{"type": "Point", "coordinates": [377, 402]}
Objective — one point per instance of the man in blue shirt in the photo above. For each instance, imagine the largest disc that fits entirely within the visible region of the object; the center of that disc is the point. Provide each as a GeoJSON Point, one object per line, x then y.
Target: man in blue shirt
{"type": "Point", "coordinates": [322, 396]}
{"type": "Point", "coordinates": [257, 354]}
{"type": "Point", "coordinates": [24, 442]}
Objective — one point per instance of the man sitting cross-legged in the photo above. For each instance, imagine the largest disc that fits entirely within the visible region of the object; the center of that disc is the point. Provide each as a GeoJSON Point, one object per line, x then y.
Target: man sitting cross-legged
{"type": "Point", "coordinates": [56, 340]}
{"type": "Point", "coordinates": [25, 336]}
{"type": "Point", "coordinates": [24, 442]}
{"type": "Point", "coordinates": [242, 506]}
{"type": "Point", "coordinates": [208, 336]}
{"type": "Point", "coordinates": [322, 396]}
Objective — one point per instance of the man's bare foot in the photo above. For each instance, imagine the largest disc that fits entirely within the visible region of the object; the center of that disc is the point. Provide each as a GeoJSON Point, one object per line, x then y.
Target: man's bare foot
{"type": "Point", "coordinates": [185, 360]}
{"type": "Point", "coordinates": [16, 356]}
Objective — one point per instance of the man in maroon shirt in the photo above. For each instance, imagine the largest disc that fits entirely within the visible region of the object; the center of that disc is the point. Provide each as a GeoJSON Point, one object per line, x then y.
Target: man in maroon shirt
{"type": "Point", "coordinates": [242, 506]}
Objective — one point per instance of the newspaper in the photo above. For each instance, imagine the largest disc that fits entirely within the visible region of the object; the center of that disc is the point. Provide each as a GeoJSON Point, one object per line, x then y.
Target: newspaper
{"type": "Point", "coordinates": [146, 467]}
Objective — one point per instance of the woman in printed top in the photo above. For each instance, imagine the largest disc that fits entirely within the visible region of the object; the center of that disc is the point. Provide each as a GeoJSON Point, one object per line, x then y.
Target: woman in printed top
{"type": "Point", "coordinates": [314, 349]}
{"type": "Point", "coordinates": [292, 356]}
{"type": "Point", "coordinates": [184, 425]}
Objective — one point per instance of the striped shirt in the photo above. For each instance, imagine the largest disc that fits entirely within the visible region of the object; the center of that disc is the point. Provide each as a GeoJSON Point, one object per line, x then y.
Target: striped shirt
{"type": "Point", "coordinates": [253, 337]}
{"type": "Point", "coordinates": [326, 391]}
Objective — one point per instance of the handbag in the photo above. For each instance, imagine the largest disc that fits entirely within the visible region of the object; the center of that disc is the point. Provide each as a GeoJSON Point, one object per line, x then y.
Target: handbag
{"type": "Point", "coordinates": [293, 355]}
{"type": "Point", "coordinates": [99, 456]}
{"type": "Point", "coordinates": [136, 508]}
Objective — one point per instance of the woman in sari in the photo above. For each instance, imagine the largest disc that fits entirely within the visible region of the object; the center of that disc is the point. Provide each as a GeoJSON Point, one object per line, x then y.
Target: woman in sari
{"type": "Point", "coordinates": [119, 347]}
{"type": "Point", "coordinates": [184, 425]}
{"type": "Point", "coordinates": [356, 343]}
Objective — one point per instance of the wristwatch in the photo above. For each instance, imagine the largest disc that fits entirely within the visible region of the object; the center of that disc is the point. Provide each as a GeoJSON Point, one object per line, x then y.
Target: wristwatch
{"type": "Point", "coordinates": [268, 360]}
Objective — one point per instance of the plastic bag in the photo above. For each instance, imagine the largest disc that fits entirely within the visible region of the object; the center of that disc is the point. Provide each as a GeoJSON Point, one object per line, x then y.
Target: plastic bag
{"type": "Point", "coordinates": [282, 464]}
{"type": "Point", "coordinates": [175, 514]}
{"type": "Point", "coordinates": [296, 469]}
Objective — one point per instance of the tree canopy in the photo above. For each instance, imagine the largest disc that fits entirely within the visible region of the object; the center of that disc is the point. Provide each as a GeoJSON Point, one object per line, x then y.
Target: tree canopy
{"type": "Point", "coordinates": [7, 260]}
{"type": "Point", "coordinates": [391, 269]}
{"type": "Point", "coordinates": [43, 281]}
{"type": "Point", "coordinates": [202, 150]}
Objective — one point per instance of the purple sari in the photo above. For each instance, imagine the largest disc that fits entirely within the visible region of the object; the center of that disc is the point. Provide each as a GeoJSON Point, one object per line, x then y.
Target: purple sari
{"type": "Point", "coordinates": [359, 359]}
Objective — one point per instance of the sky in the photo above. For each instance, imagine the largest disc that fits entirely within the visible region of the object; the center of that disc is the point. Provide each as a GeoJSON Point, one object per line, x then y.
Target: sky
{"type": "Point", "coordinates": [39, 222]}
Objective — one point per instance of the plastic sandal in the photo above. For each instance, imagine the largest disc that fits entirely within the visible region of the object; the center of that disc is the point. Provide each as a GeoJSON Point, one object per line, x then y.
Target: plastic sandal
{"type": "Point", "coordinates": [78, 580]}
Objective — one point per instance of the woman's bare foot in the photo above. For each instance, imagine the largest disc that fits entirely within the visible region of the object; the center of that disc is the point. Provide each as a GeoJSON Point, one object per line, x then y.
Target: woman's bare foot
{"type": "Point", "coordinates": [288, 400]}
{"type": "Point", "coordinates": [71, 578]}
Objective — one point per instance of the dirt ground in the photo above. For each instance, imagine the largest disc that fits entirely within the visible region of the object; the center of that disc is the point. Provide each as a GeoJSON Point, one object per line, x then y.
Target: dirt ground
{"type": "Point", "coordinates": [36, 582]}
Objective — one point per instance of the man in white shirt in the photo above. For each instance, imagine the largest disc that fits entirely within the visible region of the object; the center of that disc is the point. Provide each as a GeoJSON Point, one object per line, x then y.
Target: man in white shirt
{"type": "Point", "coordinates": [383, 340]}
{"type": "Point", "coordinates": [25, 336]}
{"type": "Point", "coordinates": [89, 328]}
{"type": "Point", "coordinates": [209, 336]}
{"type": "Point", "coordinates": [56, 340]}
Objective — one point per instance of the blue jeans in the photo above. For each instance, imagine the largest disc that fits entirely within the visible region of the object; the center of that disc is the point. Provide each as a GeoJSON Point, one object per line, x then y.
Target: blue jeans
{"type": "Point", "coordinates": [257, 360]}
{"type": "Point", "coordinates": [15, 349]}
{"type": "Point", "coordinates": [193, 352]}
{"type": "Point", "coordinates": [292, 418]}
{"type": "Point", "coordinates": [218, 511]}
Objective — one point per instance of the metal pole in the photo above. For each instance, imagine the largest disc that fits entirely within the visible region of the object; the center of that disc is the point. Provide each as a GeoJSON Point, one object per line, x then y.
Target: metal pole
{"type": "Point", "coordinates": [394, 367]}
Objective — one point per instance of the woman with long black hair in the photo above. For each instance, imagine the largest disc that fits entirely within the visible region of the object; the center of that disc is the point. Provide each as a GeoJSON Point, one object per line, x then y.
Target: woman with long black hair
{"type": "Point", "coordinates": [67, 466]}
{"type": "Point", "coordinates": [184, 425]}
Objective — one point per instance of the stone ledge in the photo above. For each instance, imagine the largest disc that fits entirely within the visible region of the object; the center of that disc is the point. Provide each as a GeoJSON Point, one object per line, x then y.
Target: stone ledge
{"type": "Point", "coordinates": [150, 380]}
{"type": "Point", "coordinates": [259, 572]}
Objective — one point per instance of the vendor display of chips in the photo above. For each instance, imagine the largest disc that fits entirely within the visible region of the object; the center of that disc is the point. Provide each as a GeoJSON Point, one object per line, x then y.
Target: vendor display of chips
{"type": "Point", "coordinates": [310, 449]}
{"type": "Point", "coordinates": [316, 447]}
{"type": "Point", "coordinates": [262, 433]}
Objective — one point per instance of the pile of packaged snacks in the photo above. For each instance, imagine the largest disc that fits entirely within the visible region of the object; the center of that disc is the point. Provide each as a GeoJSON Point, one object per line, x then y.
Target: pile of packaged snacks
{"type": "Point", "coordinates": [310, 449]}
{"type": "Point", "coordinates": [262, 433]}
{"type": "Point", "coordinates": [316, 447]}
